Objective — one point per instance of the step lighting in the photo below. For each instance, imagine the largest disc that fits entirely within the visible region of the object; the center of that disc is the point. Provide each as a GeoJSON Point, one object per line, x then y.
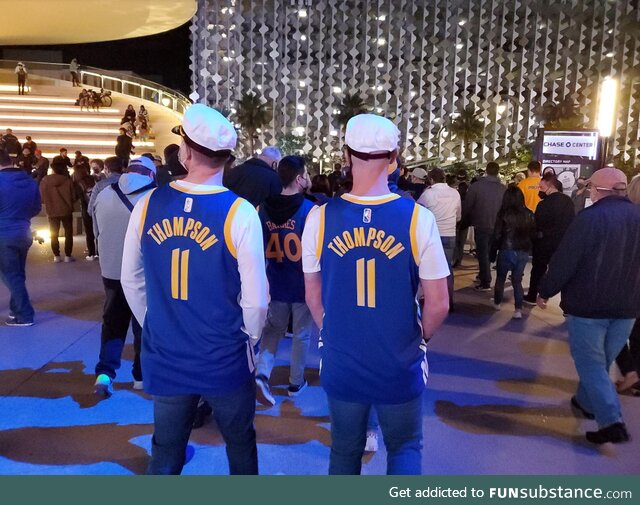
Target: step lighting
{"type": "Point", "coordinates": [74, 119]}
{"type": "Point", "coordinates": [11, 87]}
{"type": "Point", "coordinates": [23, 98]}
{"type": "Point", "coordinates": [46, 108]}
{"type": "Point", "coordinates": [91, 156]}
{"type": "Point", "coordinates": [86, 142]}
{"type": "Point", "coordinates": [29, 129]}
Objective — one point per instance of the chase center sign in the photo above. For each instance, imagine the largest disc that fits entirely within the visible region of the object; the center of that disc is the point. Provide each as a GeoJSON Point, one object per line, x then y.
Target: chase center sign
{"type": "Point", "coordinates": [571, 154]}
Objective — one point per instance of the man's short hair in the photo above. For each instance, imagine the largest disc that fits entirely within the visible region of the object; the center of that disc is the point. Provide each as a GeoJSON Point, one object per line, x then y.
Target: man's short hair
{"type": "Point", "coordinates": [169, 150]}
{"type": "Point", "coordinates": [493, 168]}
{"type": "Point", "coordinates": [114, 164]}
{"type": "Point", "coordinates": [534, 166]}
{"type": "Point", "coordinates": [437, 175]}
{"type": "Point", "coordinates": [98, 162]}
{"type": "Point", "coordinates": [63, 149]}
{"type": "Point", "coordinates": [5, 159]}
{"type": "Point", "coordinates": [289, 168]}
{"type": "Point", "coordinates": [337, 167]}
{"type": "Point", "coordinates": [272, 152]}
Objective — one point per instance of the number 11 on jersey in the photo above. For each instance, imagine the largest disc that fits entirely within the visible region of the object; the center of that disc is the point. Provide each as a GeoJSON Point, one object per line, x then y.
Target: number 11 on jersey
{"type": "Point", "coordinates": [366, 284]}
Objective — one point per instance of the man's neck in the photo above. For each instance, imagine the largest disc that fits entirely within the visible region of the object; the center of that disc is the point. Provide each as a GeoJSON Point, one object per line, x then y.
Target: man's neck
{"type": "Point", "coordinates": [290, 191]}
{"type": "Point", "coordinates": [205, 176]}
{"type": "Point", "coordinates": [367, 181]}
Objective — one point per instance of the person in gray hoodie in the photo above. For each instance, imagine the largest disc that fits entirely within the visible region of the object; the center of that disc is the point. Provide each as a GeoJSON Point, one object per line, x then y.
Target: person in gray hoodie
{"type": "Point", "coordinates": [19, 202]}
{"type": "Point", "coordinates": [480, 210]}
{"type": "Point", "coordinates": [111, 213]}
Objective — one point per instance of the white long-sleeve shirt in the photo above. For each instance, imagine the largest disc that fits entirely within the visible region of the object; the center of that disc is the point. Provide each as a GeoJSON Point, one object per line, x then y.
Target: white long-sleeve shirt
{"type": "Point", "coordinates": [445, 204]}
{"type": "Point", "coordinates": [246, 236]}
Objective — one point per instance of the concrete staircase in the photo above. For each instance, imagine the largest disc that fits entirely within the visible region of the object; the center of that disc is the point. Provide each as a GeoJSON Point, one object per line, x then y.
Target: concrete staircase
{"type": "Point", "coordinates": [48, 114]}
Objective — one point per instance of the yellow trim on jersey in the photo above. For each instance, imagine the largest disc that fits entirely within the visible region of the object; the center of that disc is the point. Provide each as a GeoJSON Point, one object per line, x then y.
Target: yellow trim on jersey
{"type": "Point", "coordinates": [372, 201]}
{"type": "Point", "coordinates": [175, 261]}
{"type": "Point", "coordinates": [371, 283]}
{"type": "Point", "coordinates": [413, 234]}
{"type": "Point", "coordinates": [175, 186]}
{"type": "Point", "coordinates": [143, 215]}
{"type": "Point", "coordinates": [320, 233]}
{"type": "Point", "coordinates": [184, 275]}
{"type": "Point", "coordinates": [227, 227]}
{"type": "Point", "coordinates": [360, 282]}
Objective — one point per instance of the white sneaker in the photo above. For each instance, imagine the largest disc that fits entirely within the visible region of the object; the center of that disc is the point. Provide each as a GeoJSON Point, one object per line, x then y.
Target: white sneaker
{"type": "Point", "coordinates": [517, 314]}
{"type": "Point", "coordinates": [91, 258]}
{"type": "Point", "coordinates": [69, 259]}
{"type": "Point", "coordinates": [372, 442]}
{"type": "Point", "coordinates": [263, 392]}
{"type": "Point", "coordinates": [497, 306]}
{"type": "Point", "coordinates": [138, 385]}
{"type": "Point", "coordinates": [57, 259]}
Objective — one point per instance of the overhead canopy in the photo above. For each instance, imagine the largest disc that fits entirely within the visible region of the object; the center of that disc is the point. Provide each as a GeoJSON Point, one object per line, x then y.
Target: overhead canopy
{"type": "Point", "coordinates": [36, 22]}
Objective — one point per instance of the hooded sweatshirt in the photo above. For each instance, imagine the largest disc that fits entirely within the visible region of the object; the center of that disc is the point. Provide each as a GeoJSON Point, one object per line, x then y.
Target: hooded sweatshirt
{"type": "Point", "coordinates": [111, 218]}
{"type": "Point", "coordinates": [19, 202]}
{"type": "Point", "coordinates": [58, 195]}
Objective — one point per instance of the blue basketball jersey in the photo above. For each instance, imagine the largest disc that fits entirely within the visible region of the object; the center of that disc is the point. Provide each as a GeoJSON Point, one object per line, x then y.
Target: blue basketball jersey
{"type": "Point", "coordinates": [192, 339]}
{"type": "Point", "coordinates": [372, 346]}
{"type": "Point", "coordinates": [283, 251]}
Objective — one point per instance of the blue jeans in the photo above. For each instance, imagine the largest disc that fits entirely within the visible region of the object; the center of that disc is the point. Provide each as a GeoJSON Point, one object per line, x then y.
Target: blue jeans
{"type": "Point", "coordinates": [401, 426]}
{"type": "Point", "coordinates": [449, 245]}
{"type": "Point", "coordinates": [483, 244]}
{"type": "Point", "coordinates": [594, 344]}
{"type": "Point", "coordinates": [274, 330]}
{"type": "Point", "coordinates": [234, 413]}
{"type": "Point", "coordinates": [13, 261]}
{"type": "Point", "coordinates": [514, 261]}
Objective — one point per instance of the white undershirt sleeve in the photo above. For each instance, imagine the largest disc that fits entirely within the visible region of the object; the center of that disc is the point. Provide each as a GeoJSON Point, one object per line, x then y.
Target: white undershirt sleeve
{"type": "Point", "coordinates": [310, 260]}
{"type": "Point", "coordinates": [132, 275]}
{"type": "Point", "coordinates": [246, 236]}
{"type": "Point", "coordinates": [433, 262]}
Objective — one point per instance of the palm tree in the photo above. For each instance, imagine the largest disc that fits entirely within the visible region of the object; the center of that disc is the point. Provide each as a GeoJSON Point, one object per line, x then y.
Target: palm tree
{"type": "Point", "coordinates": [562, 115]}
{"type": "Point", "coordinates": [351, 105]}
{"type": "Point", "coordinates": [468, 127]}
{"type": "Point", "coordinates": [252, 114]}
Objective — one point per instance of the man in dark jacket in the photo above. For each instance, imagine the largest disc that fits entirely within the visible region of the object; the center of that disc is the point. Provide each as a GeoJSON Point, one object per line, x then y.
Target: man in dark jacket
{"type": "Point", "coordinates": [124, 147]}
{"type": "Point", "coordinates": [62, 159]}
{"type": "Point", "coordinates": [10, 144]}
{"type": "Point", "coordinates": [19, 202]}
{"type": "Point", "coordinates": [553, 215]}
{"type": "Point", "coordinates": [59, 195]}
{"type": "Point", "coordinates": [256, 180]}
{"type": "Point", "coordinates": [481, 206]}
{"type": "Point", "coordinates": [597, 270]}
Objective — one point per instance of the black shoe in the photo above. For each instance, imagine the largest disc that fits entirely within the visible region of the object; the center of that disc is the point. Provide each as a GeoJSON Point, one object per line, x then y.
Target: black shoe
{"type": "Point", "coordinates": [529, 300]}
{"type": "Point", "coordinates": [614, 433]}
{"type": "Point", "coordinates": [585, 413]}
{"type": "Point", "coordinates": [480, 287]}
{"type": "Point", "coordinates": [203, 411]}
{"type": "Point", "coordinates": [294, 389]}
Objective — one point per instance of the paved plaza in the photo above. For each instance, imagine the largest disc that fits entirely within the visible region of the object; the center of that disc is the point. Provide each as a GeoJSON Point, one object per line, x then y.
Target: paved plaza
{"type": "Point", "coordinates": [497, 401]}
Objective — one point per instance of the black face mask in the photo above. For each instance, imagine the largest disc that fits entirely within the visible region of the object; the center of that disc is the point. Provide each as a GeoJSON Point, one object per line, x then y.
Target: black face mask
{"type": "Point", "coordinates": [542, 195]}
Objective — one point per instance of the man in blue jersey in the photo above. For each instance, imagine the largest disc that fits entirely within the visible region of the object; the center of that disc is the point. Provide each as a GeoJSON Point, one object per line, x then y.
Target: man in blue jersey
{"type": "Point", "coordinates": [283, 219]}
{"type": "Point", "coordinates": [364, 256]}
{"type": "Point", "coordinates": [194, 272]}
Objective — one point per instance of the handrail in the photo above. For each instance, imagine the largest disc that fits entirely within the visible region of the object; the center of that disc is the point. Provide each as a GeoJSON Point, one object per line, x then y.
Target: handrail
{"type": "Point", "coordinates": [109, 80]}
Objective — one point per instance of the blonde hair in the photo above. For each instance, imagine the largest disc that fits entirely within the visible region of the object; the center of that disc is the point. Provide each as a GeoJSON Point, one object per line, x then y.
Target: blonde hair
{"type": "Point", "coordinates": [633, 190]}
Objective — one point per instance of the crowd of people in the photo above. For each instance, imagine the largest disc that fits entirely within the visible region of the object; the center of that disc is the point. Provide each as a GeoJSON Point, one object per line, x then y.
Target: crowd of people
{"type": "Point", "coordinates": [345, 255]}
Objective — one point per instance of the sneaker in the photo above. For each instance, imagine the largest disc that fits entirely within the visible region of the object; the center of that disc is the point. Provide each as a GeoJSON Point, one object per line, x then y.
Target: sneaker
{"type": "Point", "coordinates": [103, 386]}
{"type": "Point", "coordinates": [497, 306]}
{"type": "Point", "coordinates": [480, 287]}
{"type": "Point", "coordinates": [57, 259]}
{"type": "Point", "coordinates": [91, 258]}
{"type": "Point", "coordinates": [138, 385]}
{"type": "Point", "coordinates": [529, 301]}
{"type": "Point", "coordinates": [203, 411]}
{"type": "Point", "coordinates": [294, 390]}
{"type": "Point", "coordinates": [372, 442]}
{"type": "Point", "coordinates": [517, 314]}
{"type": "Point", "coordinates": [585, 413]}
{"type": "Point", "coordinates": [12, 321]}
{"type": "Point", "coordinates": [614, 433]}
{"type": "Point", "coordinates": [69, 259]}
{"type": "Point", "coordinates": [263, 392]}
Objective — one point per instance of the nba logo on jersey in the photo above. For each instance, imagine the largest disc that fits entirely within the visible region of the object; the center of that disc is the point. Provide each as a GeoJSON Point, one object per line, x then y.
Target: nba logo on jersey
{"type": "Point", "coordinates": [366, 216]}
{"type": "Point", "coordinates": [188, 203]}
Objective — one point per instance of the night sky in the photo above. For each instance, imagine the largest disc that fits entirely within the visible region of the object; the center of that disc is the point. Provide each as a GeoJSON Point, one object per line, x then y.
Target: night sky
{"type": "Point", "coordinates": [163, 57]}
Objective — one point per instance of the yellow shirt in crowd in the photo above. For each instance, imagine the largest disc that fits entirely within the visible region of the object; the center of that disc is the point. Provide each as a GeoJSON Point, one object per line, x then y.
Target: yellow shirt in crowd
{"type": "Point", "coordinates": [530, 188]}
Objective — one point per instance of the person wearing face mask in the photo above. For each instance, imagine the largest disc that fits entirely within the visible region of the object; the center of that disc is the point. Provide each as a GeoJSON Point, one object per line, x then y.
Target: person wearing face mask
{"type": "Point", "coordinates": [194, 270]}
{"type": "Point", "coordinates": [283, 218]}
{"type": "Point", "coordinates": [580, 194]}
{"type": "Point", "coordinates": [597, 270]}
{"type": "Point", "coordinates": [553, 216]}
{"type": "Point", "coordinates": [111, 213]}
